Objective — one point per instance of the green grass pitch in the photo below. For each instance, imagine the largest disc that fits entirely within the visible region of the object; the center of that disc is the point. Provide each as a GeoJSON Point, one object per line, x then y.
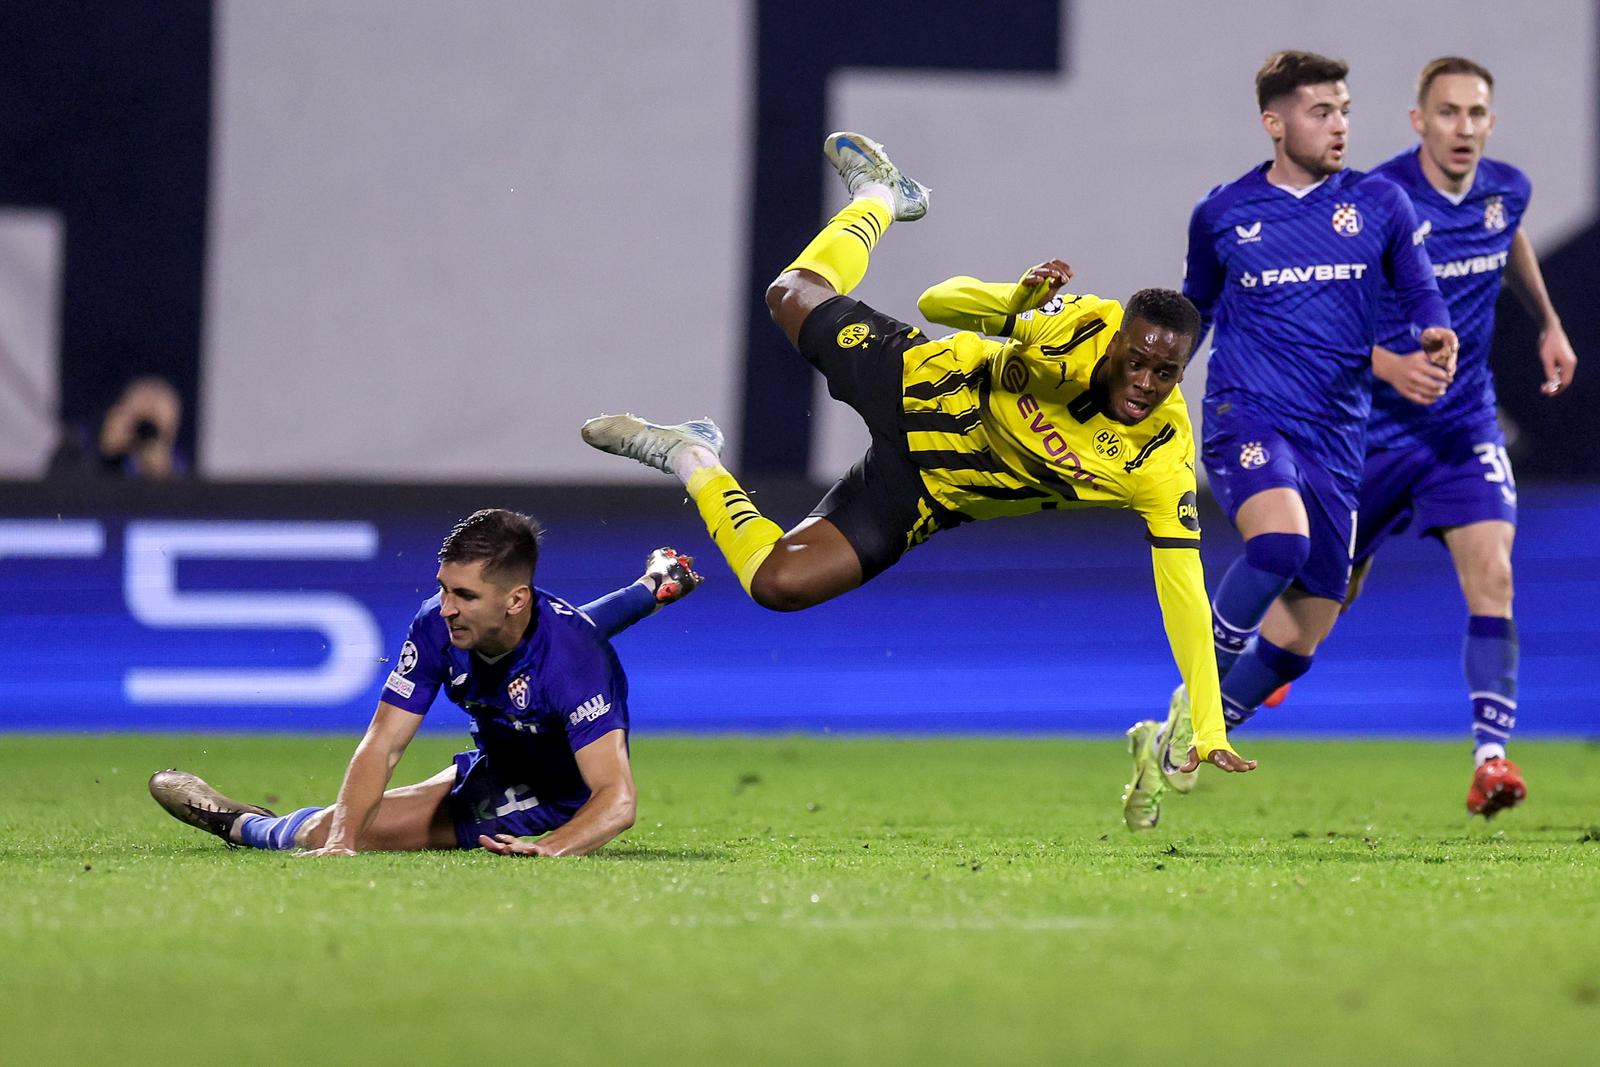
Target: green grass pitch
{"type": "Point", "coordinates": [817, 900]}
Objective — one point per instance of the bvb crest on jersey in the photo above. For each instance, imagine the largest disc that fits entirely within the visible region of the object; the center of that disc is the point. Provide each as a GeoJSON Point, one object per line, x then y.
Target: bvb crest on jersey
{"type": "Point", "coordinates": [517, 690]}
{"type": "Point", "coordinates": [1346, 220]}
{"type": "Point", "coordinates": [1107, 444]}
{"type": "Point", "coordinates": [1494, 214]}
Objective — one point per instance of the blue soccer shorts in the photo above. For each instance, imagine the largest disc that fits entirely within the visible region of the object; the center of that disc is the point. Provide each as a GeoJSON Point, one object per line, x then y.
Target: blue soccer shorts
{"type": "Point", "coordinates": [1435, 487]}
{"type": "Point", "coordinates": [486, 801]}
{"type": "Point", "coordinates": [1243, 457]}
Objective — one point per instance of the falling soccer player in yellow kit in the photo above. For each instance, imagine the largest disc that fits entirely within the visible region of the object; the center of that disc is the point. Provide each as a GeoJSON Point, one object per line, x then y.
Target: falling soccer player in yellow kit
{"type": "Point", "coordinates": [1078, 408]}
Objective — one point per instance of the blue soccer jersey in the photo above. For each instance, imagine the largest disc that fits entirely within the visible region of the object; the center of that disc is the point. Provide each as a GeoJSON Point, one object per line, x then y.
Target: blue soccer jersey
{"type": "Point", "coordinates": [1293, 285]}
{"type": "Point", "coordinates": [1469, 244]}
{"type": "Point", "coordinates": [533, 708]}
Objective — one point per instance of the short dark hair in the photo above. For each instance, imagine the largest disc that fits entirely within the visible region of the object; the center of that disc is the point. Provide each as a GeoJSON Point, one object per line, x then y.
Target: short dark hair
{"type": "Point", "coordinates": [1286, 71]}
{"type": "Point", "coordinates": [506, 542]}
{"type": "Point", "coordinates": [1167, 308]}
{"type": "Point", "coordinates": [1450, 65]}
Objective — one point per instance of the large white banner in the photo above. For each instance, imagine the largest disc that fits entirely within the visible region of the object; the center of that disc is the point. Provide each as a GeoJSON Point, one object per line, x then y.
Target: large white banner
{"type": "Point", "coordinates": [444, 233]}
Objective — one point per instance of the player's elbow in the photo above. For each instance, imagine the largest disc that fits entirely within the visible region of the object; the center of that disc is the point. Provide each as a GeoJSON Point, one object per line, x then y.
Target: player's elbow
{"type": "Point", "coordinates": [928, 304]}
{"type": "Point", "coordinates": [624, 813]}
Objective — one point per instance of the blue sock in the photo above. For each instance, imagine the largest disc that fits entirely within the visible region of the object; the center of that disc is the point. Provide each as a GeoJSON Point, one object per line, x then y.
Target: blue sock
{"type": "Point", "coordinates": [265, 831]}
{"type": "Point", "coordinates": [615, 612]}
{"type": "Point", "coordinates": [1263, 668]}
{"type": "Point", "coordinates": [1489, 659]}
{"type": "Point", "coordinates": [1255, 580]}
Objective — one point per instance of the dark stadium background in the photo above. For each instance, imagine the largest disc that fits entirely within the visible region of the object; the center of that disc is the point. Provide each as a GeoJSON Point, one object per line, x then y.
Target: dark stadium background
{"type": "Point", "coordinates": [1049, 624]}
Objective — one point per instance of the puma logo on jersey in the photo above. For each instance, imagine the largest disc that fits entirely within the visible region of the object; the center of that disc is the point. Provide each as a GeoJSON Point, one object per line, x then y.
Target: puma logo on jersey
{"type": "Point", "coordinates": [589, 710]}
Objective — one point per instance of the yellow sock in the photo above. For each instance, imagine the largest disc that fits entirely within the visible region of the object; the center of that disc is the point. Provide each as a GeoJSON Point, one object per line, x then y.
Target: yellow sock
{"type": "Point", "coordinates": [840, 252]}
{"type": "Point", "coordinates": [745, 536]}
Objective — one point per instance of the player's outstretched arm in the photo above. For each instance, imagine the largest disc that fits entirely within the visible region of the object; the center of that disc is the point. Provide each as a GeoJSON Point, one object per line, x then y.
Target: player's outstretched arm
{"type": "Point", "coordinates": [989, 307]}
{"type": "Point", "coordinates": [1555, 351]}
{"type": "Point", "coordinates": [385, 741]}
{"type": "Point", "coordinates": [610, 809]}
{"type": "Point", "coordinates": [1186, 615]}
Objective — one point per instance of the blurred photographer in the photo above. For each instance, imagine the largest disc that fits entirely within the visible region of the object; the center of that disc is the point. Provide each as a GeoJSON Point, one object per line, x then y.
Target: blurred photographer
{"type": "Point", "coordinates": [138, 437]}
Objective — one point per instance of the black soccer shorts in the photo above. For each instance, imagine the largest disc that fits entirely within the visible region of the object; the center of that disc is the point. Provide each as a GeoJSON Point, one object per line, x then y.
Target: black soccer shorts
{"type": "Point", "coordinates": [880, 505]}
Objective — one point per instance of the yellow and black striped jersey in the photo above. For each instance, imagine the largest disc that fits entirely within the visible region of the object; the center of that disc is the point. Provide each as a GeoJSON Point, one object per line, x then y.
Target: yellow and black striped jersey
{"type": "Point", "coordinates": [1014, 426]}
{"type": "Point", "coordinates": [1005, 428]}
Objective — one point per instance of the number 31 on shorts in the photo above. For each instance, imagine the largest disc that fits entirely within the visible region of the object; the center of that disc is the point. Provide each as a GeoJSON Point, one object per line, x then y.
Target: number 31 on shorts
{"type": "Point", "coordinates": [1494, 457]}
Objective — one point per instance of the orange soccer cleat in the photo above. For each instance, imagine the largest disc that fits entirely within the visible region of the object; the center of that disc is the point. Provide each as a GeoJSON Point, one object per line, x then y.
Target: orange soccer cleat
{"type": "Point", "coordinates": [1496, 785]}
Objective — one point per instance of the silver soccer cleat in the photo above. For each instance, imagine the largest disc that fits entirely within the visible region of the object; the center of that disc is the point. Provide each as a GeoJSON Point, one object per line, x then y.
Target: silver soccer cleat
{"type": "Point", "coordinates": [189, 799]}
{"type": "Point", "coordinates": [860, 160]}
{"type": "Point", "coordinates": [652, 445]}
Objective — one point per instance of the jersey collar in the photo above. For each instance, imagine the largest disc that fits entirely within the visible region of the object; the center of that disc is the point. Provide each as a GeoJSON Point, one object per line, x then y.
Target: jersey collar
{"type": "Point", "coordinates": [1092, 401]}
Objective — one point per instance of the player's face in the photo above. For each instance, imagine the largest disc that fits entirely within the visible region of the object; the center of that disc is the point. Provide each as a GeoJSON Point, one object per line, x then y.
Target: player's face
{"type": "Point", "coordinates": [1144, 365]}
{"type": "Point", "coordinates": [1454, 121]}
{"type": "Point", "coordinates": [1311, 126]}
{"type": "Point", "coordinates": [482, 614]}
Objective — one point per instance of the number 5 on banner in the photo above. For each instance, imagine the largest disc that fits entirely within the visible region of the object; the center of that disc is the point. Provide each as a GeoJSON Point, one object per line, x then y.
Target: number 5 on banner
{"type": "Point", "coordinates": [150, 584]}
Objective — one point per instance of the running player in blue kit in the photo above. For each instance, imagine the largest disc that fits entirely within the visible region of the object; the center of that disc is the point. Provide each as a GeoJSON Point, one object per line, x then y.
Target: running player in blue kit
{"type": "Point", "coordinates": [547, 699]}
{"type": "Point", "coordinates": [1290, 263]}
{"type": "Point", "coordinates": [1443, 467]}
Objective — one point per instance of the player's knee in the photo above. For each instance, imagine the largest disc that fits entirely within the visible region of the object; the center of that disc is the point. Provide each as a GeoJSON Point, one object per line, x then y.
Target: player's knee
{"type": "Point", "coordinates": [1283, 554]}
{"type": "Point", "coordinates": [781, 588]}
{"type": "Point", "coordinates": [1490, 588]}
{"type": "Point", "coordinates": [784, 297]}
{"type": "Point", "coordinates": [792, 296]}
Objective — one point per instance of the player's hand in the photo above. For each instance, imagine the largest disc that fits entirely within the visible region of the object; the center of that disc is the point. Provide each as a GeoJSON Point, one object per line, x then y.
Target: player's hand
{"type": "Point", "coordinates": [1042, 282]}
{"type": "Point", "coordinates": [325, 850]}
{"type": "Point", "coordinates": [1231, 762]}
{"type": "Point", "coordinates": [1442, 345]}
{"type": "Point", "coordinates": [506, 845]}
{"type": "Point", "coordinates": [1415, 377]}
{"type": "Point", "coordinates": [1560, 361]}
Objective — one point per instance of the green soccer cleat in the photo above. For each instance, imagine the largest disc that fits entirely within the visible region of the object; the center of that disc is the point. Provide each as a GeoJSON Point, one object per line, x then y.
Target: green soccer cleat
{"type": "Point", "coordinates": [860, 160]}
{"type": "Point", "coordinates": [1176, 738]}
{"type": "Point", "coordinates": [1141, 798]}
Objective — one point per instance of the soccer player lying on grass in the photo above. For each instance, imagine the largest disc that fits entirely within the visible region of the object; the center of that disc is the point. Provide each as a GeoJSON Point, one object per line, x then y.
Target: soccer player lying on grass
{"type": "Point", "coordinates": [1078, 408]}
{"type": "Point", "coordinates": [549, 708]}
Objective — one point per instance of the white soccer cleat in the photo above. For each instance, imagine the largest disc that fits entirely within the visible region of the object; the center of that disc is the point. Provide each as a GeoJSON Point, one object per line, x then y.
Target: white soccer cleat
{"type": "Point", "coordinates": [860, 160]}
{"type": "Point", "coordinates": [652, 445]}
{"type": "Point", "coordinates": [1176, 738]}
